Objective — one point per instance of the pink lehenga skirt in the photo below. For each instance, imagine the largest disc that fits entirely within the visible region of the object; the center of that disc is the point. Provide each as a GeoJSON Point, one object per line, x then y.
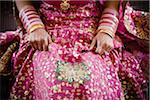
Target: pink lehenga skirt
{"type": "Point", "coordinates": [69, 70]}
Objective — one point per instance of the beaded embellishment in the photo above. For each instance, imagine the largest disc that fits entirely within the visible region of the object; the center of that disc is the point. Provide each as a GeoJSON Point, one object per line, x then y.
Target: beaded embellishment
{"type": "Point", "coordinates": [137, 23]}
{"type": "Point", "coordinates": [64, 5]}
{"type": "Point", "coordinates": [77, 72]}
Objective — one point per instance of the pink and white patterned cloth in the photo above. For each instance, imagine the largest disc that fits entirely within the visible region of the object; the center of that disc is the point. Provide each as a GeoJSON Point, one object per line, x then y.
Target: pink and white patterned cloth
{"type": "Point", "coordinates": [44, 75]}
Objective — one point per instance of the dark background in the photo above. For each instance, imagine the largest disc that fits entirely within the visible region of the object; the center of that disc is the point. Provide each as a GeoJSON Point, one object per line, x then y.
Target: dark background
{"type": "Point", "coordinates": [8, 23]}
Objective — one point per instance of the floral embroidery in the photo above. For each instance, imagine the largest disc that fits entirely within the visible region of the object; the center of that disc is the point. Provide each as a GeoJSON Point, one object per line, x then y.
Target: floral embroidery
{"type": "Point", "coordinates": [77, 72]}
{"type": "Point", "coordinates": [64, 5]}
{"type": "Point", "coordinates": [137, 23]}
{"type": "Point", "coordinates": [72, 37]}
{"type": "Point", "coordinates": [142, 24]}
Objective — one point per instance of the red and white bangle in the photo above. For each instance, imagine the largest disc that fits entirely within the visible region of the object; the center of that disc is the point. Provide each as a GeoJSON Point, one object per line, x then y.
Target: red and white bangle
{"type": "Point", "coordinates": [110, 11]}
{"type": "Point", "coordinates": [109, 22]}
{"type": "Point", "coordinates": [30, 18]}
{"type": "Point", "coordinates": [32, 21]}
{"type": "Point", "coordinates": [111, 17]}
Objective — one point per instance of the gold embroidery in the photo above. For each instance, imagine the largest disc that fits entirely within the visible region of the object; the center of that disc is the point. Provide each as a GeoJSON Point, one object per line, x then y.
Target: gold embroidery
{"type": "Point", "coordinates": [26, 93]}
{"type": "Point", "coordinates": [6, 57]}
{"type": "Point", "coordinates": [77, 72]}
{"type": "Point", "coordinates": [64, 5]}
{"type": "Point", "coordinates": [90, 30]}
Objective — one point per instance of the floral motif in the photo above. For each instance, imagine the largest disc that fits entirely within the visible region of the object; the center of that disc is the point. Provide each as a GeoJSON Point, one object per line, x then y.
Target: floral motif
{"type": "Point", "coordinates": [142, 24]}
{"type": "Point", "coordinates": [39, 80]}
{"type": "Point", "coordinates": [64, 5]}
{"type": "Point", "coordinates": [77, 72]}
{"type": "Point", "coordinates": [137, 23]}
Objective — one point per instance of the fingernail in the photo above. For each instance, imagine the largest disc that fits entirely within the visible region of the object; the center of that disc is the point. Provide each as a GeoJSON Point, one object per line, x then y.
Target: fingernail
{"type": "Point", "coordinates": [90, 48]}
{"type": "Point", "coordinates": [96, 51]}
{"type": "Point", "coordinates": [49, 48]}
{"type": "Point", "coordinates": [107, 53]}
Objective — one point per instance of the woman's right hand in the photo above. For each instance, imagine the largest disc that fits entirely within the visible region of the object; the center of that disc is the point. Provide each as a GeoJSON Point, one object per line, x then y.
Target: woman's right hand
{"type": "Point", "coordinates": [40, 39]}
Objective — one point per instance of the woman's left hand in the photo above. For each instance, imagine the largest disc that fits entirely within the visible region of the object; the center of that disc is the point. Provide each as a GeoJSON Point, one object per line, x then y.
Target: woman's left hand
{"type": "Point", "coordinates": [103, 42]}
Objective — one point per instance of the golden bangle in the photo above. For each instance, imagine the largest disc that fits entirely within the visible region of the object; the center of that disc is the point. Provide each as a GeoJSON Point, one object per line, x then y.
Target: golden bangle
{"type": "Point", "coordinates": [108, 32]}
{"type": "Point", "coordinates": [36, 26]}
{"type": "Point", "coordinates": [106, 28]}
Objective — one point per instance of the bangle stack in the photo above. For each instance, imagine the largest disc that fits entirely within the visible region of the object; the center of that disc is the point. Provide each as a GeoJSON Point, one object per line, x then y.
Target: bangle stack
{"type": "Point", "coordinates": [30, 19]}
{"type": "Point", "coordinates": [109, 22]}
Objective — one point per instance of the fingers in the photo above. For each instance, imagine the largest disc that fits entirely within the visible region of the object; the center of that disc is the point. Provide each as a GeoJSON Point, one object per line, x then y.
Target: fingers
{"type": "Point", "coordinates": [99, 48]}
{"type": "Point", "coordinates": [49, 42]}
{"type": "Point", "coordinates": [106, 49]}
{"type": "Point", "coordinates": [109, 47]}
{"type": "Point", "coordinates": [96, 31]}
{"type": "Point", "coordinates": [45, 45]}
{"type": "Point", "coordinates": [32, 42]}
{"type": "Point", "coordinates": [49, 39]}
{"type": "Point", "coordinates": [103, 48]}
{"type": "Point", "coordinates": [34, 45]}
{"type": "Point", "coordinates": [102, 52]}
{"type": "Point", "coordinates": [93, 43]}
{"type": "Point", "coordinates": [40, 43]}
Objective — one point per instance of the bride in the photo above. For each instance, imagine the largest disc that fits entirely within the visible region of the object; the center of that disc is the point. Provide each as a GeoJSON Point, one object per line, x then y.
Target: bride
{"type": "Point", "coordinates": [69, 51]}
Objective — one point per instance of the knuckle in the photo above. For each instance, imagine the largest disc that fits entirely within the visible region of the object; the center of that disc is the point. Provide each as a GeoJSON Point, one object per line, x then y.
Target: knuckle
{"type": "Point", "coordinates": [35, 41]}
{"type": "Point", "coordinates": [95, 38]}
{"type": "Point", "coordinates": [112, 44]}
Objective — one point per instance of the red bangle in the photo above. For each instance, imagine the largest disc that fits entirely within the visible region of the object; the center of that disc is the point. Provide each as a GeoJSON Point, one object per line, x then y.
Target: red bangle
{"type": "Point", "coordinates": [107, 21]}
{"type": "Point", "coordinates": [27, 14]}
{"type": "Point", "coordinates": [30, 19]}
{"type": "Point", "coordinates": [115, 19]}
{"type": "Point", "coordinates": [109, 25]}
{"type": "Point", "coordinates": [24, 9]}
{"type": "Point", "coordinates": [111, 11]}
{"type": "Point", "coordinates": [28, 23]}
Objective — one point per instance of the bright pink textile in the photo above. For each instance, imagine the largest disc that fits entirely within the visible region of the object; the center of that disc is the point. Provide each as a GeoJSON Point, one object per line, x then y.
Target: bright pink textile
{"type": "Point", "coordinates": [73, 32]}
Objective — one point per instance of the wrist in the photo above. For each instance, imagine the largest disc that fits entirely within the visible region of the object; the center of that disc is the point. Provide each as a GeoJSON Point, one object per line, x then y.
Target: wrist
{"type": "Point", "coordinates": [106, 32]}
{"type": "Point", "coordinates": [109, 22]}
{"type": "Point", "coordinates": [36, 28]}
{"type": "Point", "coordinates": [30, 19]}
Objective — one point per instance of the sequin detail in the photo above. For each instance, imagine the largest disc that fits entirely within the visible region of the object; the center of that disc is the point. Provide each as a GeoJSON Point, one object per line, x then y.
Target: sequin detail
{"type": "Point", "coordinates": [77, 72]}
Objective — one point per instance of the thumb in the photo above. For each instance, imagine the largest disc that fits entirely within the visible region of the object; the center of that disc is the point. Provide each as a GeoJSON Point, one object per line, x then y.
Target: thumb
{"type": "Point", "coordinates": [93, 43]}
{"type": "Point", "coordinates": [49, 39]}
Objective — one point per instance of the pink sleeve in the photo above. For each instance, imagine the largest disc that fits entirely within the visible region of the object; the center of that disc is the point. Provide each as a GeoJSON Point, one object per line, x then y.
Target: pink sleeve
{"type": "Point", "coordinates": [7, 37]}
{"type": "Point", "coordinates": [121, 11]}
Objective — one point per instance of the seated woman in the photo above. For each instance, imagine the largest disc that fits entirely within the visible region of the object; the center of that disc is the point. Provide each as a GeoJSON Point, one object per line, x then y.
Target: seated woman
{"type": "Point", "coordinates": [69, 51]}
